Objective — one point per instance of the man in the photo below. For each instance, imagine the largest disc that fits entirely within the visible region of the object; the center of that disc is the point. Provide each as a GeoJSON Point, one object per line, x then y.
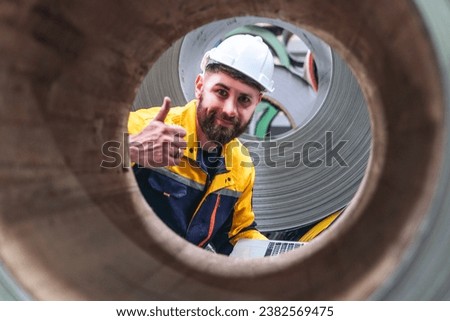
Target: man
{"type": "Point", "coordinates": [189, 164]}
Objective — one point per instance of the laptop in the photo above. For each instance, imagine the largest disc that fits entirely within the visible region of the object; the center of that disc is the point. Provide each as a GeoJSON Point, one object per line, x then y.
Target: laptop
{"type": "Point", "coordinates": [248, 248]}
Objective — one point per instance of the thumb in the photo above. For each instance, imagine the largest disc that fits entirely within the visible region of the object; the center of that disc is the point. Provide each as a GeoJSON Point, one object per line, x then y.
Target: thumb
{"type": "Point", "coordinates": [162, 114]}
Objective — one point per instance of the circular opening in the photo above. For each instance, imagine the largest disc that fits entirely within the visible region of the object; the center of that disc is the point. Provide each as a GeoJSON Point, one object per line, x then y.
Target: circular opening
{"type": "Point", "coordinates": [307, 169]}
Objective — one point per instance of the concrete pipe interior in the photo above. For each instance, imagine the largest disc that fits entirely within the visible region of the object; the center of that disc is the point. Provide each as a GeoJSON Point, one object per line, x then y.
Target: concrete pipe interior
{"type": "Point", "coordinates": [72, 230]}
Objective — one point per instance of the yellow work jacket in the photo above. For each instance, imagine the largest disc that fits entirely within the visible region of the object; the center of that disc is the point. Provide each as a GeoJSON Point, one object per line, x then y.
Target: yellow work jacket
{"type": "Point", "coordinates": [204, 211]}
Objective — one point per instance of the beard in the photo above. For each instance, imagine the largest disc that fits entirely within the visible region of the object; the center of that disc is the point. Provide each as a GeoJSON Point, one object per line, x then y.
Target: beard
{"type": "Point", "coordinates": [215, 132]}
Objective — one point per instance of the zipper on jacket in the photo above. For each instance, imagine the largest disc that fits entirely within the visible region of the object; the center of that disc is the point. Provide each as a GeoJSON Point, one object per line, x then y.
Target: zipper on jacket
{"type": "Point", "coordinates": [208, 183]}
{"type": "Point", "coordinates": [205, 194]}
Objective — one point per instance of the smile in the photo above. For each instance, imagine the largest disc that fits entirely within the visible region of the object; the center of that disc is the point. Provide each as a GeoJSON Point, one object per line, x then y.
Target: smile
{"type": "Point", "coordinates": [224, 122]}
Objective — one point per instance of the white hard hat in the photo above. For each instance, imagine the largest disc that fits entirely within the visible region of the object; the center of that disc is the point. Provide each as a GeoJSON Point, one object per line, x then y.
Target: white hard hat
{"type": "Point", "coordinates": [247, 54]}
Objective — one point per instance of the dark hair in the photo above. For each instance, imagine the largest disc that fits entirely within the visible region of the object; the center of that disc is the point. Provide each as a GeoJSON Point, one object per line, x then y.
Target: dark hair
{"type": "Point", "coordinates": [233, 73]}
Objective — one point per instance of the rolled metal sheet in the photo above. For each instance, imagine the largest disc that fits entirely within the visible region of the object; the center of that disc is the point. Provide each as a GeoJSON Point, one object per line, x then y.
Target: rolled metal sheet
{"type": "Point", "coordinates": [297, 180]}
{"type": "Point", "coordinates": [301, 184]}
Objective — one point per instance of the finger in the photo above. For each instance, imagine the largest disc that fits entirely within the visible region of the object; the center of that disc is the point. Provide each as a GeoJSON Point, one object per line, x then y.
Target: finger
{"type": "Point", "coordinates": [176, 152]}
{"type": "Point", "coordinates": [165, 108]}
{"type": "Point", "coordinates": [174, 160]}
{"type": "Point", "coordinates": [177, 141]}
{"type": "Point", "coordinates": [172, 139]}
{"type": "Point", "coordinates": [175, 130]}
{"type": "Point", "coordinates": [179, 144]}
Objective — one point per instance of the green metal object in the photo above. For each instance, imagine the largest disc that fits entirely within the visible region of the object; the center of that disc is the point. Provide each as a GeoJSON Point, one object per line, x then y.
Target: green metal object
{"type": "Point", "coordinates": [269, 112]}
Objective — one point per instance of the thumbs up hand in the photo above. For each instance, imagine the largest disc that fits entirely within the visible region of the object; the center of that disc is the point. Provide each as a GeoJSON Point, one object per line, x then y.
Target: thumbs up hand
{"type": "Point", "coordinates": [159, 144]}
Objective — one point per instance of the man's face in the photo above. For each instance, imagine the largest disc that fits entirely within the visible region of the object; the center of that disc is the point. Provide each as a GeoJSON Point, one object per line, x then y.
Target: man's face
{"type": "Point", "coordinates": [225, 106]}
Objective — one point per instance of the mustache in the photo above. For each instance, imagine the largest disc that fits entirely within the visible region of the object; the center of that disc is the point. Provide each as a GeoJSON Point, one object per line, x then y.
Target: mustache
{"type": "Point", "coordinates": [233, 119]}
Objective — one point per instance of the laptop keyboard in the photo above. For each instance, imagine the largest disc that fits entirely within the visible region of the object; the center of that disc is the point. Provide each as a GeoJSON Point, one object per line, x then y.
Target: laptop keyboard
{"type": "Point", "coordinates": [276, 248]}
